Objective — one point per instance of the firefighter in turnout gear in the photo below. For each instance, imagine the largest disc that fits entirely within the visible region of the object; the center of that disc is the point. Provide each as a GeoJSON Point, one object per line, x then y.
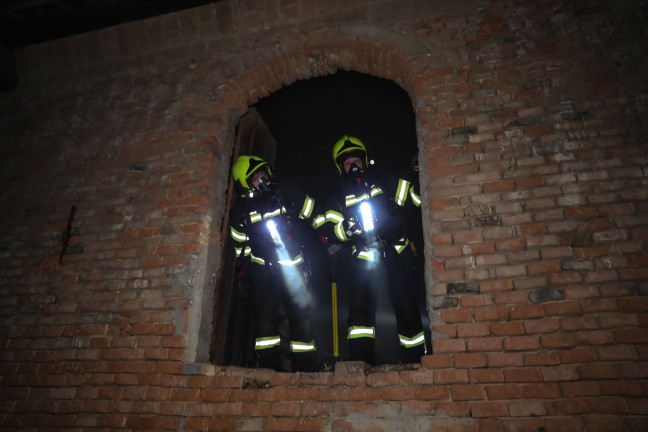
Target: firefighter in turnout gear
{"type": "Point", "coordinates": [267, 225]}
{"type": "Point", "coordinates": [367, 218]}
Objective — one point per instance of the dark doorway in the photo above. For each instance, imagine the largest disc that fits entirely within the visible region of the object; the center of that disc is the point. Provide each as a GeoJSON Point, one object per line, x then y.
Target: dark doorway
{"type": "Point", "coordinates": [306, 119]}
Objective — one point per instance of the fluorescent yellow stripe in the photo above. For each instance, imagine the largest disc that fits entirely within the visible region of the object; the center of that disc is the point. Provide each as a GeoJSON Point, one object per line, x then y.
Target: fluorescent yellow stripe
{"type": "Point", "coordinates": [367, 255]}
{"type": "Point", "coordinates": [357, 332]}
{"type": "Point", "coordinates": [375, 191]}
{"type": "Point", "coordinates": [297, 347]}
{"type": "Point", "coordinates": [416, 199]}
{"type": "Point", "coordinates": [318, 221]}
{"type": "Point", "coordinates": [417, 340]}
{"type": "Point", "coordinates": [295, 261]}
{"type": "Point", "coordinates": [255, 217]}
{"type": "Point", "coordinates": [334, 216]}
{"type": "Point", "coordinates": [274, 213]}
{"type": "Point", "coordinates": [401, 191]}
{"type": "Point", "coordinates": [237, 235]}
{"type": "Point", "coordinates": [267, 342]}
{"type": "Point", "coordinates": [339, 232]}
{"type": "Point", "coordinates": [307, 209]}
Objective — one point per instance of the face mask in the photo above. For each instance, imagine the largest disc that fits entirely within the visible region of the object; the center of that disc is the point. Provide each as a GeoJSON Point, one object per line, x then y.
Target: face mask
{"type": "Point", "coordinates": [265, 185]}
{"type": "Point", "coordinates": [354, 169]}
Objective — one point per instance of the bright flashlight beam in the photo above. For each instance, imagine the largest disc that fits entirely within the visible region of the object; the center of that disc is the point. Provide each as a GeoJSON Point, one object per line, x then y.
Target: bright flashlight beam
{"type": "Point", "coordinates": [367, 219]}
{"type": "Point", "coordinates": [272, 227]}
{"type": "Point", "coordinates": [292, 276]}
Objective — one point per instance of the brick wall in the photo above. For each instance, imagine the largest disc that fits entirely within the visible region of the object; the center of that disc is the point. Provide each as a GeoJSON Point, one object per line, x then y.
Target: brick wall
{"type": "Point", "coordinates": [531, 121]}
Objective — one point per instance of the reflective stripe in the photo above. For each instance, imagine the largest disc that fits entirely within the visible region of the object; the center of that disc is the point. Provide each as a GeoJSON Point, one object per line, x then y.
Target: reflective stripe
{"type": "Point", "coordinates": [369, 255]}
{"type": "Point", "coordinates": [255, 217]}
{"type": "Point", "coordinates": [417, 340]}
{"type": "Point", "coordinates": [351, 200]}
{"type": "Point", "coordinates": [401, 245]}
{"type": "Point", "coordinates": [318, 221]}
{"type": "Point", "coordinates": [257, 260]}
{"type": "Point", "coordinates": [339, 232]}
{"type": "Point", "coordinates": [334, 216]}
{"type": "Point", "coordinates": [237, 235]}
{"type": "Point", "coordinates": [297, 347]}
{"type": "Point", "coordinates": [307, 209]}
{"type": "Point", "coordinates": [295, 261]}
{"type": "Point", "coordinates": [356, 332]}
{"type": "Point", "coordinates": [267, 342]}
{"type": "Point", "coordinates": [337, 218]}
{"type": "Point", "coordinates": [274, 213]}
{"type": "Point", "coordinates": [375, 190]}
{"type": "Point", "coordinates": [401, 192]}
{"type": "Point", "coordinates": [416, 199]}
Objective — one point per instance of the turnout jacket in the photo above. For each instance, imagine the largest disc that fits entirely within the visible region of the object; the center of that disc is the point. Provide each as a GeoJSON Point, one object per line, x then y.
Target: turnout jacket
{"type": "Point", "coordinates": [270, 228]}
{"type": "Point", "coordinates": [386, 194]}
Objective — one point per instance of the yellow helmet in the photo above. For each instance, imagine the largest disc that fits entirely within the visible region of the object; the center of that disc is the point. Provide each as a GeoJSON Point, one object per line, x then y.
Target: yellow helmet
{"type": "Point", "coordinates": [245, 166]}
{"type": "Point", "coordinates": [348, 146]}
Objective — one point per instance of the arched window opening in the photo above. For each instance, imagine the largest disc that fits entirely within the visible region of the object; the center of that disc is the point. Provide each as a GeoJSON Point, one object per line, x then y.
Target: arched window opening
{"type": "Point", "coordinates": [295, 128]}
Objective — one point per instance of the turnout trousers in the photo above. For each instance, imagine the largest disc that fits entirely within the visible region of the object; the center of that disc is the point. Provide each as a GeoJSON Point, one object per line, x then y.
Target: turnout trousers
{"type": "Point", "coordinates": [276, 289]}
{"type": "Point", "coordinates": [361, 281]}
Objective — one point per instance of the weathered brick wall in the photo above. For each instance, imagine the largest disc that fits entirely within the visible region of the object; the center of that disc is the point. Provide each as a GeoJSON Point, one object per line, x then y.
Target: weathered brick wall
{"type": "Point", "coordinates": [531, 120]}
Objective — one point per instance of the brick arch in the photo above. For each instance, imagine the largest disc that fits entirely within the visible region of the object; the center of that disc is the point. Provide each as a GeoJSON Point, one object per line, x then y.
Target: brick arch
{"type": "Point", "coordinates": [361, 47]}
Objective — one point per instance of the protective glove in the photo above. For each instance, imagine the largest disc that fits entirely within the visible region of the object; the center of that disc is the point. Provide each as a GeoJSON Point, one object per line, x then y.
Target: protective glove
{"type": "Point", "coordinates": [352, 228]}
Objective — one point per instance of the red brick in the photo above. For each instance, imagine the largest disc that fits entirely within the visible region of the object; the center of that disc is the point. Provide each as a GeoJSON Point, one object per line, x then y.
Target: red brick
{"type": "Point", "coordinates": [617, 352]}
{"type": "Point", "coordinates": [527, 408]}
{"type": "Point", "coordinates": [494, 313]}
{"type": "Point", "coordinates": [504, 359]}
{"type": "Point", "coordinates": [521, 343]}
{"type": "Point", "coordinates": [598, 371]}
{"type": "Point", "coordinates": [541, 391]}
{"type": "Point", "coordinates": [545, 266]}
{"type": "Point", "coordinates": [628, 336]}
{"type": "Point", "coordinates": [456, 315]}
{"type": "Point", "coordinates": [498, 186]}
{"type": "Point", "coordinates": [478, 248]}
{"type": "Point", "coordinates": [560, 340]}
{"type": "Point", "coordinates": [471, 360]}
{"type": "Point", "coordinates": [448, 345]}
{"type": "Point", "coordinates": [521, 375]}
{"type": "Point", "coordinates": [541, 326]}
{"type": "Point", "coordinates": [473, 330]}
{"type": "Point", "coordinates": [453, 409]}
{"type": "Point", "coordinates": [442, 377]}
{"type": "Point", "coordinates": [488, 409]}
{"type": "Point", "coordinates": [466, 392]}
{"type": "Point", "coordinates": [484, 344]}
{"type": "Point", "coordinates": [473, 300]}
{"type": "Point", "coordinates": [565, 278]}
{"type": "Point", "coordinates": [507, 328]}
{"type": "Point", "coordinates": [503, 392]}
{"type": "Point", "coordinates": [495, 285]}
{"type": "Point", "coordinates": [621, 388]}
{"type": "Point", "coordinates": [578, 355]}
{"type": "Point", "coordinates": [562, 308]}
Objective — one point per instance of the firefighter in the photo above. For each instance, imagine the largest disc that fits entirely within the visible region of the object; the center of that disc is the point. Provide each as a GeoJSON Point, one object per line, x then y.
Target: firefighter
{"type": "Point", "coordinates": [366, 217]}
{"type": "Point", "coordinates": [268, 227]}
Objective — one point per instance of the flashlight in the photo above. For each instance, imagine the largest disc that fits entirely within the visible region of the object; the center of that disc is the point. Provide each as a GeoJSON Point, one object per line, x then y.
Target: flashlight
{"type": "Point", "coordinates": [272, 228]}
{"type": "Point", "coordinates": [367, 216]}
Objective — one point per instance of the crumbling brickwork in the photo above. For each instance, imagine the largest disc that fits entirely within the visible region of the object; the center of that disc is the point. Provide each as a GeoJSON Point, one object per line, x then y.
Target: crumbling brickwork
{"type": "Point", "coordinates": [531, 122]}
